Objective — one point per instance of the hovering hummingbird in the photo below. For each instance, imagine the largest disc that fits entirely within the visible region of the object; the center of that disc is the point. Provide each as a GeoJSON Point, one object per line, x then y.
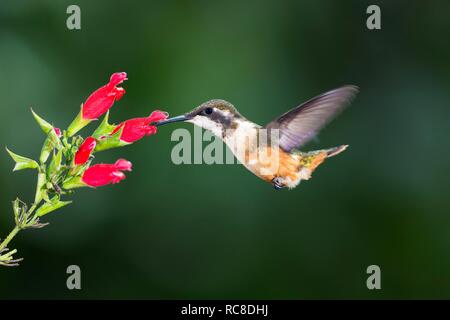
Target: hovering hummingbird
{"type": "Point", "coordinates": [294, 129]}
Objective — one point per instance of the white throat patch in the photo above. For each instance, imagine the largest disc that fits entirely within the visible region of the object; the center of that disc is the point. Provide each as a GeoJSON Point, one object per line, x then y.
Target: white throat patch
{"type": "Point", "coordinates": [208, 124]}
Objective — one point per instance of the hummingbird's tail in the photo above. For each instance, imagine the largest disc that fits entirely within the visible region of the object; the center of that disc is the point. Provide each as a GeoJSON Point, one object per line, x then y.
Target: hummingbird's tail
{"type": "Point", "coordinates": [298, 166]}
{"type": "Point", "coordinates": [336, 150]}
{"type": "Point", "coordinates": [309, 161]}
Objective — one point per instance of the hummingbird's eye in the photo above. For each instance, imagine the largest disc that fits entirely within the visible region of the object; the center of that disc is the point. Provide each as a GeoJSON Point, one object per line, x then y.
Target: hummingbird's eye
{"type": "Point", "coordinates": [208, 110]}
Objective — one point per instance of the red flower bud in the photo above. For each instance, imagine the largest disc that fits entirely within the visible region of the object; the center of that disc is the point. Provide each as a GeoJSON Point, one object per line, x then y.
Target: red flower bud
{"type": "Point", "coordinates": [58, 132]}
{"type": "Point", "coordinates": [103, 174]}
{"type": "Point", "coordinates": [84, 151]}
{"type": "Point", "coordinates": [137, 128]}
{"type": "Point", "coordinates": [102, 99]}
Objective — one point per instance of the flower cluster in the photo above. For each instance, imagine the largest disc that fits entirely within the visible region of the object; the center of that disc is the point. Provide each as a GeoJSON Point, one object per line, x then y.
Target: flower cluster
{"type": "Point", "coordinates": [71, 156]}
{"type": "Point", "coordinates": [106, 136]}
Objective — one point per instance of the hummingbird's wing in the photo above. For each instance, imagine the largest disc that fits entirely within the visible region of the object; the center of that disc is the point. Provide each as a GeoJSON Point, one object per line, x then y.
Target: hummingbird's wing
{"type": "Point", "coordinates": [301, 124]}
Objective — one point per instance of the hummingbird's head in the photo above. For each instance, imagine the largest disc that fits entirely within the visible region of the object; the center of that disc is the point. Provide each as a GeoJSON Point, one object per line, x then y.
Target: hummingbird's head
{"type": "Point", "coordinates": [214, 115]}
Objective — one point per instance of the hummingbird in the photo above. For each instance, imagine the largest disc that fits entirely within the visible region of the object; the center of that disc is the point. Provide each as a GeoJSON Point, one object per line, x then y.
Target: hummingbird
{"type": "Point", "coordinates": [292, 129]}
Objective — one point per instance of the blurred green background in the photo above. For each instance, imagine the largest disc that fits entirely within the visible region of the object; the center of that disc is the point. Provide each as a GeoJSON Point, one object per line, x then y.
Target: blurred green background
{"type": "Point", "coordinates": [216, 231]}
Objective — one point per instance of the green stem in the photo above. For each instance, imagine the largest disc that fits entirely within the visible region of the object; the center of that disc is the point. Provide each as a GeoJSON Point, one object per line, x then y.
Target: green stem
{"type": "Point", "coordinates": [10, 236]}
{"type": "Point", "coordinates": [16, 229]}
{"type": "Point", "coordinates": [33, 207]}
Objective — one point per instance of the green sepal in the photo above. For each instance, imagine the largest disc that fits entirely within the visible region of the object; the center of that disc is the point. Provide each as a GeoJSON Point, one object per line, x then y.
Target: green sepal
{"type": "Point", "coordinates": [50, 143]}
{"type": "Point", "coordinates": [111, 141]}
{"type": "Point", "coordinates": [55, 164]}
{"type": "Point", "coordinates": [46, 150]}
{"type": "Point", "coordinates": [45, 194]}
{"type": "Point", "coordinates": [50, 206]}
{"type": "Point", "coordinates": [74, 182]}
{"type": "Point", "coordinates": [104, 128]}
{"type": "Point", "coordinates": [22, 162]}
{"type": "Point", "coordinates": [41, 192]}
{"type": "Point", "coordinates": [77, 124]}
{"type": "Point", "coordinates": [17, 208]}
{"type": "Point", "coordinates": [45, 126]}
{"type": "Point", "coordinates": [78, 170]}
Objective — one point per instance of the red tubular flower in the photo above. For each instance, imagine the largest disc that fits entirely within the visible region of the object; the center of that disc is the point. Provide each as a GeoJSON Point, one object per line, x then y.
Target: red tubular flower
{"type": "Point", "coordinates": [123, 165]}
{"type": "Point", "coordinates": [84, 151]}
{"type": "Point", "coordinates": [103, 174]}
{"type": "Point", "coordinates": [137, 128]}
{"type": "Point", "coordinates": [102, 99]}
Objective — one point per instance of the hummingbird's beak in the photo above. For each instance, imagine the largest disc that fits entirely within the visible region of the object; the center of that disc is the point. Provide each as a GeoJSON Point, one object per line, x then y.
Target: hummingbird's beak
{"type": "Point", "coordinates": [170, 120]}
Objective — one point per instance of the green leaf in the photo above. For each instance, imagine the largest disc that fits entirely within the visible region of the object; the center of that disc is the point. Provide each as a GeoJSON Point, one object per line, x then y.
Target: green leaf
{"type": "Point", "coordinates": [53, 205]}
{"type": "Point", "coordinates": [22, 162]}
{"type": "Point", "coordinates": [45, 126]}
{"type": "Point", "coordinates": [104, 128]}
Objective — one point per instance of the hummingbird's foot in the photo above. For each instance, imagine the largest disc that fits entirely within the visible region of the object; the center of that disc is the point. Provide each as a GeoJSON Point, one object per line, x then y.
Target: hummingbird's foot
{"type": "Point", "coordinates": [277, 187]}
{"type": "Point", "coordinates": [277, 183]}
